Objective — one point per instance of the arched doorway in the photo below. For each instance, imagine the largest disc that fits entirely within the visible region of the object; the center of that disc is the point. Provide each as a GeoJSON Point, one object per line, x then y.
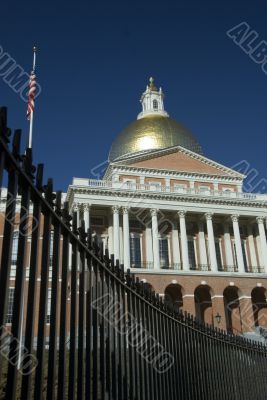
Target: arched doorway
{"type": "Point", "coordinates": [203, 304]}
{"type": "Point", "coordinates": [174, 295]}
{"type": "Point", "coordinates": [232, 309]}
{"type": "Point", "coordinates": [259, 305]}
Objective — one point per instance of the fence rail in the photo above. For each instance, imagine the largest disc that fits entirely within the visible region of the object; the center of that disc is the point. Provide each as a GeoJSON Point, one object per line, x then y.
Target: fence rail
{"type": "Point", "coordinates": [110, 336]}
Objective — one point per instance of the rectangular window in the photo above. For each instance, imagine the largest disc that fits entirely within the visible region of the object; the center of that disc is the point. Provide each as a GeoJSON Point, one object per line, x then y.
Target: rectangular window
{"type": "Point", "coordinates": [135, 251]}
{"type": "Point", "coordinates": [164, 253]}
{"type": "Point", "coordinates": [244, 254]}
{"type": "Point", "coordinates": [155, 186]}
{"type": "Point", "coordinates": [218, 255]}
{"type": "Point", "coordinates": [204, 189]}
{"type": "Point", "coordinates": [129, 183]}
{"type": "Point", "coordinates": [10, 305]}
{"type": "Point", "coordinates": [235, 257]}
{"type": "Point", "coordinates": [191, 254]}
{"type": "Point", "coordinates": [180, 188]}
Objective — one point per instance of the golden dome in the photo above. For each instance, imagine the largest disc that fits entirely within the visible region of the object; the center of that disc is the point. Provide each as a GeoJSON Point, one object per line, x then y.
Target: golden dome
{"type": "Point", "coordinates": [150, 133]}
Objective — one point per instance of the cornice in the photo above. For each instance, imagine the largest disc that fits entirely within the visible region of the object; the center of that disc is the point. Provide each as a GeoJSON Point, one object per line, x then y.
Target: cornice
{"type": "Point", "coordinates": [165, 196]}
{"type": "Point", "coordinates": [176, 174]}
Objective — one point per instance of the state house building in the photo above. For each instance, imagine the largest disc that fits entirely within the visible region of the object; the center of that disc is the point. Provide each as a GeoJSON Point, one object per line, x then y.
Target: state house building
{"type": "Point", "coordinates": [179, 220]}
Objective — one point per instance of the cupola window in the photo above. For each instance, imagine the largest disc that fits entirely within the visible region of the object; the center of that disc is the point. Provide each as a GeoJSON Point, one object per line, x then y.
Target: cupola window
{"type": "Point", "coordinates": [155, 105]}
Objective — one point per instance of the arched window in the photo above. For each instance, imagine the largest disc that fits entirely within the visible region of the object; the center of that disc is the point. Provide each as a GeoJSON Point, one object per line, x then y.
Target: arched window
{"type": "Point", "coordinates": [155, 105]}
{"type": "Point", "coordinates": [232, 309]}
{"type": "Point", "coordinates": [203, 304]}
{"type": "Point", "coordinates": [173, 295]}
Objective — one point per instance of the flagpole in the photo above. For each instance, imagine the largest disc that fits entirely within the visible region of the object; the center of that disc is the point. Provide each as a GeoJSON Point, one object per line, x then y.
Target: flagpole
{"type": "Point", "coordinates": [31, 118]}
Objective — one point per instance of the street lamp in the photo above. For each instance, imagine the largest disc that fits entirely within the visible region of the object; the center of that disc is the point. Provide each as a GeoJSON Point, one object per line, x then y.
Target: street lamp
{"type": "Point", "coordinates": [218, 318]}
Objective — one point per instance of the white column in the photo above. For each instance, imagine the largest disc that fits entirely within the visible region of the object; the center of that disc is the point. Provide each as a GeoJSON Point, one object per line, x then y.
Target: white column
{"type": "Point", "coordinates": [202, 245]}
{"type": "Point", "coordinates": [121, 245]}
{"type": "Point", "coordinates": [212, 250]}
{"type": "Point", "coordinates": [252, 250]}
{"type": "Point", "coordinates": [184, 244]}
{"type": "Point", "coordinates": [126, 238]}
{"type": "Point", "coordinates": [110, 235]}
{"type": "Point", "coordinates": [149, 248]}
{"type": "Point", "coordinates": [228, 248]}
{"type": "Point", "coordinates": [116, 232]}
{"type": "Point", "coordinates": [176, 257]}
{"type": "Point", "coordinates": [86, 216]}
{"type": "Point", "coordinates": [155, 236]}
{"type": "Point", "coordinates": [76, 208]}
{"type": "Point", "coordinates": [104, 239]}
{"type": "Point", "coordinates": [258, 249]}
{"type": "Point", "coordinates": [260, 221]}
{"type": "Point", "coordinates": [238, 245]}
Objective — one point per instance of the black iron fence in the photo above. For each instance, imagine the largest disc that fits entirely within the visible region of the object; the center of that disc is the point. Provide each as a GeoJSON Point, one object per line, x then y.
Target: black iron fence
{"type": "Point", "coordinates": [110, 336]}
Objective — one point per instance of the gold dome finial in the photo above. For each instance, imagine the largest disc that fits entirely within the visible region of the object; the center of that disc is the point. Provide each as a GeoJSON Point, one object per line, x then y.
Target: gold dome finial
{"type": "Point", "coordinates": [152, 84]}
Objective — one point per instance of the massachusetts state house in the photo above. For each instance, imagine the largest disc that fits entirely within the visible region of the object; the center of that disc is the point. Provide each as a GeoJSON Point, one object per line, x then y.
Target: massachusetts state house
{"type": "Point", "coordinates": [179, 220]}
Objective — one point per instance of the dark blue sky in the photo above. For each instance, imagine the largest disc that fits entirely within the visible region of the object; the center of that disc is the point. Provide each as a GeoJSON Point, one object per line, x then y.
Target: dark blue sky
{"type": "Point", "coordinates": [94, 61]}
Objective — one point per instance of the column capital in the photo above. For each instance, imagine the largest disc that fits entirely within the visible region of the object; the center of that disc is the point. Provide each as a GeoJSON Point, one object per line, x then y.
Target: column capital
{"type": "Point", "coordinates": [153, 212]}
{"type": "Point", "coordinates": [76, 207]}
{"type": "Point", "coordinates": [181, 213]}
{"type": "Point", "coordinates": [86, 206]}
{"type": "Point", "coordinates": [125, 210]}
{"type": "Point", "coordinates": [208, 216]}
{"type": "Point", "coordinates": [260, 219]}
{"type": "Point", "coordinates": [116, 209]}
{"type": "Point", "coordinates": [235, 217]}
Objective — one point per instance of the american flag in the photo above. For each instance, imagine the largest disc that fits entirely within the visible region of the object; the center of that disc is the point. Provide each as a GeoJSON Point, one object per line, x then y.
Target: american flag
{"type": "Point", "coordinates": [31, 95]}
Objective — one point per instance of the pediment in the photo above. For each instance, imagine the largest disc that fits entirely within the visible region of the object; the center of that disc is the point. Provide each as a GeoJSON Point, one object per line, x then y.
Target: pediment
{"type": "Point", "coordinates": [182, 160]}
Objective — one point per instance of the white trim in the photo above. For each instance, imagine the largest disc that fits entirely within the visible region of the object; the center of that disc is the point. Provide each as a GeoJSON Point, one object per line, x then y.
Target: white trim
{"type": "Point", "coordinates": [206, 274]}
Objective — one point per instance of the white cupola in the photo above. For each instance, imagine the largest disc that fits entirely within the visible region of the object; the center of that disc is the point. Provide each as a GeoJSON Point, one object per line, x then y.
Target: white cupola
{"type": "Point", "coordinates": [152, 101]}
